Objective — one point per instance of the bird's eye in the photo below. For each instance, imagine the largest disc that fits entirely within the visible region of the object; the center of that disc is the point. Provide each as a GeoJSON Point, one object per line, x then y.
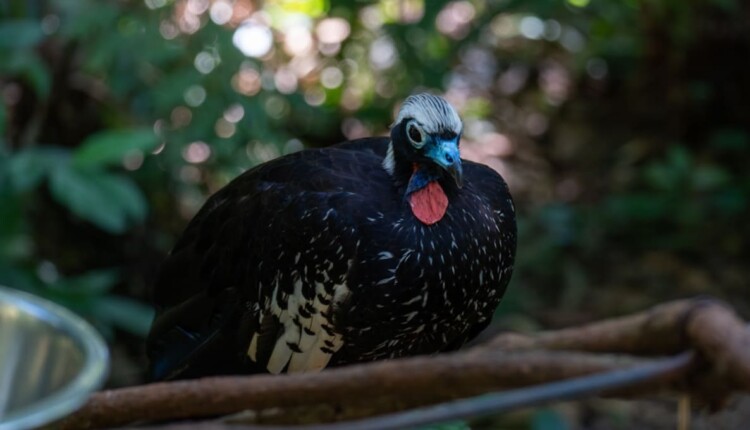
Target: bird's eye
{"type": "Point", "coordinates": [414, 135]}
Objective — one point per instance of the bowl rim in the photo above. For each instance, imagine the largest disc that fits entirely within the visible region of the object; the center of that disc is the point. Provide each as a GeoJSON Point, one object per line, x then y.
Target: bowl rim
{"type": "Point", "coordinates": [93, 372]}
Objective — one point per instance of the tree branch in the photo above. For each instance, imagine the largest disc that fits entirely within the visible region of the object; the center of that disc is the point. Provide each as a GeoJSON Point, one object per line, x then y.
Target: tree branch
{"type": "Point", "coordinates": [509, 361]}
{"type": "Point", "coordinates": [656, 331]}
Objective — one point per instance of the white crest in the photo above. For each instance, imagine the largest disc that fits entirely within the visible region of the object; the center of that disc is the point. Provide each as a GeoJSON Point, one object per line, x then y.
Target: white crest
{"type": "Point", "coordinates": [433, 113]}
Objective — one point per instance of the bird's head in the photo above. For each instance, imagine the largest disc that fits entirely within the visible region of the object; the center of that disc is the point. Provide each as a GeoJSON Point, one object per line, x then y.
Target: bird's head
{"type": "Point", "coordinates": [426, 135]}
{"type": "Point", "coordinates": [424, 151]}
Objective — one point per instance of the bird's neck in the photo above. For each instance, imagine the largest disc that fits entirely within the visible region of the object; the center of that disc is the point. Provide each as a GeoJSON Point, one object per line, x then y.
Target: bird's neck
{"type": "Point", "coordinates": [426, 197]}
{"type": "Point", "coordinates": [420, 177]}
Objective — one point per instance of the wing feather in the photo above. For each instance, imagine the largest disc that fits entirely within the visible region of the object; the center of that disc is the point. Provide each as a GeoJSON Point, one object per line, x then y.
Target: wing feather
{"type": "Point", "coordinates": [281, 238]}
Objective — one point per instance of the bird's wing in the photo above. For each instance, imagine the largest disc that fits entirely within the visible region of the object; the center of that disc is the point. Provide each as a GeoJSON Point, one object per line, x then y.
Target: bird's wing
{"type": "Point", "coordinates": [495, 190]}
{"type": "Point", "coordinates": [495, 211]}
{"type": "Point", "coordinates": [304, 279]}
{"type": "Point", "coordinates": [262, 267]}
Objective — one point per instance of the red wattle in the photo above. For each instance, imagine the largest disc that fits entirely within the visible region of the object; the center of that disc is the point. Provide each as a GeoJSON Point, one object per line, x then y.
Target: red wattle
{"type": "Point", "coordinates": [429, 203]}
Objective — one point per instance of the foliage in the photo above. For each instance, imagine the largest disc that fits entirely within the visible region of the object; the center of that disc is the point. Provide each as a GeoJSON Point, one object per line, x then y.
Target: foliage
{"type": "Point", "coordinates": [621, 126]}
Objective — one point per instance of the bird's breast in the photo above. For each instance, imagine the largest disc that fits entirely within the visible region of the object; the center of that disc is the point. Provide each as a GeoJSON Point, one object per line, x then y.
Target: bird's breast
{"type": "Point", "coordinates": [413, 275]}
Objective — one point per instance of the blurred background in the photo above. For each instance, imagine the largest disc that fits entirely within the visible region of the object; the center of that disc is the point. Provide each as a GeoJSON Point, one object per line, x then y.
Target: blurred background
{"type": "Point", "coordinates": [622, 127]}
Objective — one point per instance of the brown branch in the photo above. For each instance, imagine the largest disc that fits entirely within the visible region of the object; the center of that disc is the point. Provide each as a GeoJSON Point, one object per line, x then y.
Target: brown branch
{"type": "Point", "coordinates": [707, 325]}
{"type": "Point", "coordinates": [506, 362]}
{"type": "Point", "coordinates": [657, 331]}
{"type": "Point", "coordinates": [639, 377]}
{"type": "Point", "coordinates": [410, 382]}
{"type": "Point", "coordinates": [724, 340]}
{"type": "Point", "coordinates": [643, 376]}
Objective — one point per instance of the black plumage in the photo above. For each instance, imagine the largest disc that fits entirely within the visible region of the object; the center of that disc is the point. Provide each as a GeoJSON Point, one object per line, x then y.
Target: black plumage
{"type": "Point", "coordinates": [317, 259]}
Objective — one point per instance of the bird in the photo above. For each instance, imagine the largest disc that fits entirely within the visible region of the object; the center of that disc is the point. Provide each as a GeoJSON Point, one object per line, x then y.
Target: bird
{"type": "Point", "coordinates": [375, 248]}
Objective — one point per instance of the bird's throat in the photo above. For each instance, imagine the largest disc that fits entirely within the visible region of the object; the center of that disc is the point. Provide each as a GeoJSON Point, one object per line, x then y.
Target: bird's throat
{"type": "Point", "coordinates": [429, 204]}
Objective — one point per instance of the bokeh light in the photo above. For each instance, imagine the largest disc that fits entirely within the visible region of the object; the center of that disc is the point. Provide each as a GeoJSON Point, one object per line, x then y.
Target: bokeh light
{"type": "Point", "coordinates": [234, 113]}
{"type": "Point", "coordinates": [221, 12]}
{"type": "Point", "coordinates": [455, 18]}
{"type": "Point", "coordinates": [195, 95]}
{"type": "Point", "coordinates": [155, 4]}
{"type": "Point", "coordinates": [133, 160]}
{"type": "Point", "coordinates": [196, 152]}
{"type": "Point", "coordinates": [253, 39]}
{"type": "Point", "coordinates": [383, 53]}
{"type": "Point", "coordinates": [578, 3]}
{"type": "Point", "coordinates": [205, 62]}
{"type": "Point", "coordinates": [285, 80]}
{"type": "Point", "coordinates": [246, 81]}
{"type": "Point", "coordinates": [532, 27]}
{"type": "Point", "coordinates": [333, 30]}
{"type": "Point", "coordinates": [181, 116]}
{"type": "Point", "coordinates": [224, 129]}
{"type": "Point", "coordinates": [331, 77]}
{"type": "Point", "coordinates": [298, 41]}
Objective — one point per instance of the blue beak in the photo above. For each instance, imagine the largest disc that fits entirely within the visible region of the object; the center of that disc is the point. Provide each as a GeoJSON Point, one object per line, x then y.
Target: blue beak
{"type": "Point", "coordinates": [445, 154]}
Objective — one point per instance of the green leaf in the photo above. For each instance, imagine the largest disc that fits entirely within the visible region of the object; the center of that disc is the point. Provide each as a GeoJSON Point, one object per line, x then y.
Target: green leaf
{"type": "Point", "coordinates": [28, 167]}
{"type": "Point", "coordinates": [81, 293]}
{"type": "Point", "coordinates": [549, 419]}
{"type": "Point", "coordinates": [451, 425]}
{"type": "Point", "coordinates": [38, 76]}
{"type": "Point", "coordinates": [130, 197]}
{"type": "Point", "coordinates": [3, 120]}
{"type": "Point", "coordinates": [729, 6]}
{"type": "Point", "coordinates": [730, 139]}
{"type": "Point", "coordinates": [709, 177]}
{"type": "Point", "coordinates": [731, 200]}
{"type": "Point", "coordinates": [639, 207]}
{"type": "Point", "coordinates": [108, 201]}
{"type": "Point", "coordinates": [32, 69]}
{"type": "Point", "coordinates": [15, 277]}
{"type": "Point", "coordinates": [679, 158]}
{"type": "Point", "coordinates": [662, 176]}
{"type": "Point", "coordinates": [4, 174]}
{"type": "Point", "coordinates": [126, 314]}
{"type": "Point", "coordinates": [21, 33]}
{"type": "Point", "coordinates": [15, 244]}
{"type": "Point", "coordinates": [109, 147]}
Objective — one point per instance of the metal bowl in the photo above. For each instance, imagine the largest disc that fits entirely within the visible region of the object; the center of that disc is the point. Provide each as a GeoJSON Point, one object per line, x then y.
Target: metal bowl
{"type": "Point", "coordinates": [50, 361]}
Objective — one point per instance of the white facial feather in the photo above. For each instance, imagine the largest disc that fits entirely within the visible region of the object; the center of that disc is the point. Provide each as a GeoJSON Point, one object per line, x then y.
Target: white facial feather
{"type": "Point", "coordinates": [433, 113]}
{"type": "Point", "coordinates": [389, 162]}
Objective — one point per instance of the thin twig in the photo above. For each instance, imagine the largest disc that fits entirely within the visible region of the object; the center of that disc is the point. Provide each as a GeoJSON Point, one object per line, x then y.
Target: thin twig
{"type": "Point", "coordinates": [683, 412]}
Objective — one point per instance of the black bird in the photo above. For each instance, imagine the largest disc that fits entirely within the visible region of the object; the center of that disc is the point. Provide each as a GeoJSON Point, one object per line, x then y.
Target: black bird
{"type": "Point", "coordinates": [370, 249]}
